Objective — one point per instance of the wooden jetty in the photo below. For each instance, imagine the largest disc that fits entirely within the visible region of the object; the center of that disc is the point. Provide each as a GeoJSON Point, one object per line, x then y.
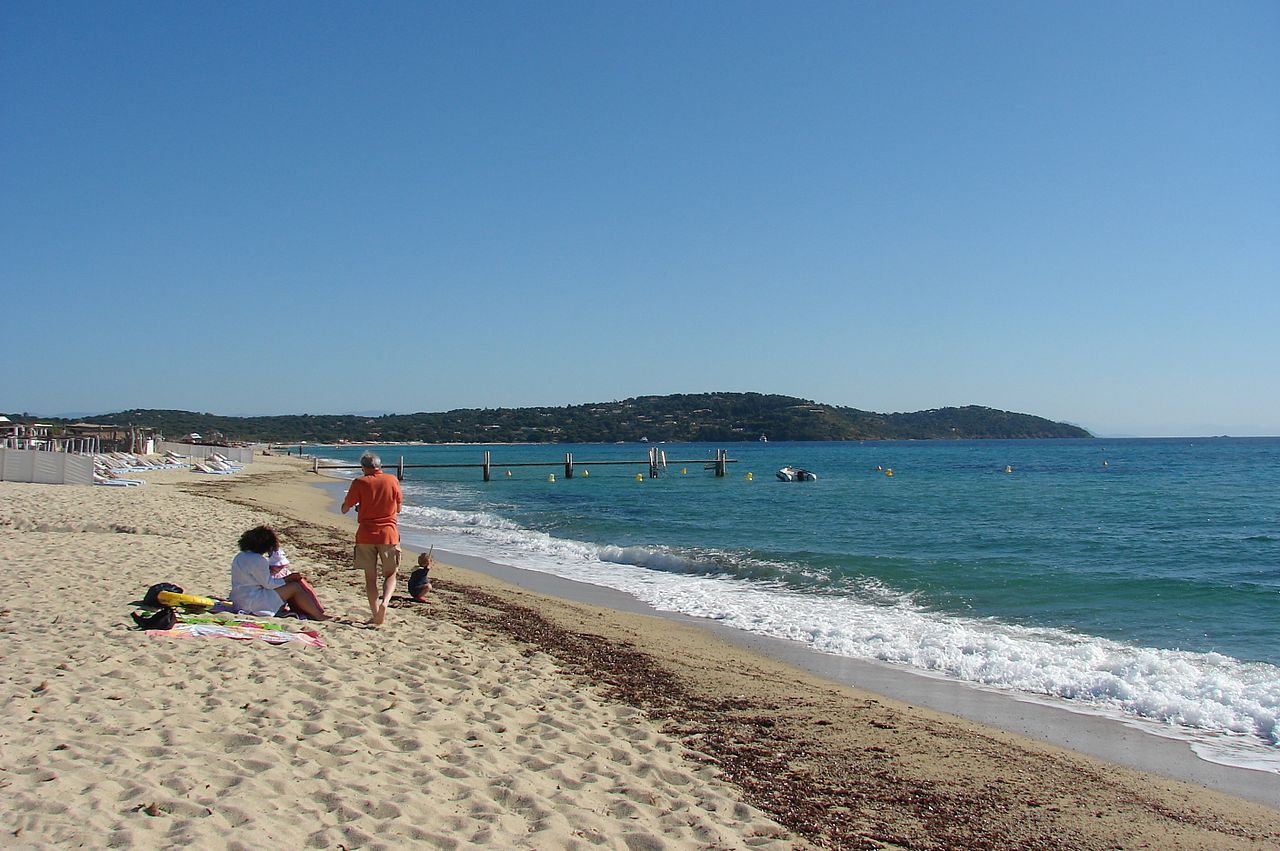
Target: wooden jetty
{"type": "Point", "coordinates": [656, 462]}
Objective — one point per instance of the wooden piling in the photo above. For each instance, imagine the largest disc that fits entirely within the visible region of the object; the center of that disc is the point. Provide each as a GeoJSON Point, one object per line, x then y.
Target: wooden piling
{"type": "Point", "coordinates": [400, 469]}
{"type": "Point", "coordinates": [487, 465]}
{"type": "Point", "coordinates": [568, 465]}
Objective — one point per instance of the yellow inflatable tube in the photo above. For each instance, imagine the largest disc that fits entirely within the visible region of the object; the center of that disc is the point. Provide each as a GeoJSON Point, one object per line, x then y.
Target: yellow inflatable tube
{"type": "Point", "coordinates": [168, 598]}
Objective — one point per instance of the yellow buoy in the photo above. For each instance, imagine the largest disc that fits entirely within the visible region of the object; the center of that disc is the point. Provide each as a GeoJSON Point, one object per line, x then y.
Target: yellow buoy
{"type": "Point", "coordinates": [889, 472]}
{"type": "Point", "coordinates": [749, 477]}
{"type": "Point", "coordinates": [508, 472]}
{"type": "Point", "coordinates": [639, 477]}
{"type": "Point", "coordinates": [551, 477]}
{"type": "Point", "coordinates": [684, 470]}
{"type": "Point", "coordinates": [586, 472]}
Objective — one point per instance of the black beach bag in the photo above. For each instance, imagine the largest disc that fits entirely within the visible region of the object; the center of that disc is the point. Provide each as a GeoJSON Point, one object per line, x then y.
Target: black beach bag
{"type": "Point", "coordinates": [163, 619]}
{"type": "Point", "coordinates": [152, 598]}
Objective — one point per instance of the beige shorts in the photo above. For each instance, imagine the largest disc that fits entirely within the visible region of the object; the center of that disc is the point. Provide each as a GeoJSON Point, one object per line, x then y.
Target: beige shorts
{"type": "Point", "coordinates": [369, 555]}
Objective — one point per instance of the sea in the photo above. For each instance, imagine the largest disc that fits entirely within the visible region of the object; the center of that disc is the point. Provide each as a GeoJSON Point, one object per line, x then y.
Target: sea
{"type": "Point", "coordinates": [1138, 578]}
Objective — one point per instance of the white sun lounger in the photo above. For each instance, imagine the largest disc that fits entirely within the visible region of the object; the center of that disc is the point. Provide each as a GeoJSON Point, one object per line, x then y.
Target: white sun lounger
{"type": "Point", "coordinates": [205, 468]}
{"type": "Point", "coordinates": [99, 479]}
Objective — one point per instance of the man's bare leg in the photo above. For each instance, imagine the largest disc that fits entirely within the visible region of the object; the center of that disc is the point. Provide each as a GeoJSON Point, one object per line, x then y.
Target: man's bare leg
{"type": "Point", "coordinates": [389, 560]}
{"type": "Point", "coordinates": [371, 589]}
{"type": "Point", "coordinates": [388, 589]}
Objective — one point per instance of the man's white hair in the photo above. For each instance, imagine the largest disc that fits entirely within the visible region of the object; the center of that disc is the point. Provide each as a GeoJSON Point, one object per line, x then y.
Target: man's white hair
{"type": "Point", "coordinates": [370, 461]}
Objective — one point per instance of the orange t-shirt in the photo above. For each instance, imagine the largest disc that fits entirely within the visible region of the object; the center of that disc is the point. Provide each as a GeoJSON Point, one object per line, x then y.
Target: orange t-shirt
{"type": "Point", "coordinates": [378, 497]}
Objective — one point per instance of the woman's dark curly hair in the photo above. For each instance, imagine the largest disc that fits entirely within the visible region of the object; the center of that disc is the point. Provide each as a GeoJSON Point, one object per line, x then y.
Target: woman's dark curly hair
{"type": "Point", "coordinates": [259, 539]}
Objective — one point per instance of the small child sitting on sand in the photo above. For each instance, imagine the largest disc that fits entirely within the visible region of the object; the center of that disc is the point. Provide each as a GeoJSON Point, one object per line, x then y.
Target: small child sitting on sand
{"type": "Point", "coordinates": [420, 579]}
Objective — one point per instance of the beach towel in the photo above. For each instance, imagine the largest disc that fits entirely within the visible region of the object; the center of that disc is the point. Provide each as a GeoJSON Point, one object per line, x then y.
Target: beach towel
{"type": "Point", "coordinates": [246, 631]}
{"type": "Point", "coordinates": [224, 621]}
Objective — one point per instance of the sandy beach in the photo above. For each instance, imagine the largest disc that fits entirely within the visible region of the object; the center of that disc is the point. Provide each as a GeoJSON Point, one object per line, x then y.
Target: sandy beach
{"type": "Point", "coordinates": [490, 717]}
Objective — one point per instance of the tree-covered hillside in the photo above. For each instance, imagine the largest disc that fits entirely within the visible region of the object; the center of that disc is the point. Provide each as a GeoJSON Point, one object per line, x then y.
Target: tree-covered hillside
{"type": "Point", "coordinates": [714, 417]}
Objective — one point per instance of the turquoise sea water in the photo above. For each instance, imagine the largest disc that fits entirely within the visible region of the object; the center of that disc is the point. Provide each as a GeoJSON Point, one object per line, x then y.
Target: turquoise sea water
{"type": "Point", "coordinates": [1139, 577]}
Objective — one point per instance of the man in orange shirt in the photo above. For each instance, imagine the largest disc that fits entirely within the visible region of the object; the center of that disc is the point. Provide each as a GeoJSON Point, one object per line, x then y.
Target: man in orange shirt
{"type": "Point", "coordinates": [378, 498]}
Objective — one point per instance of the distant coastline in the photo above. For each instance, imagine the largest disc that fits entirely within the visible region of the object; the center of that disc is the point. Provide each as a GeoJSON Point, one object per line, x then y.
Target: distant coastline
{"type": "Point", "coordinates": [679, 418]}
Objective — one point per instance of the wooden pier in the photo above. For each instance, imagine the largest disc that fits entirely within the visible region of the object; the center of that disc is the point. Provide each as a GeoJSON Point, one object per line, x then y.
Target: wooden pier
{"type": "Point", "coordinates": [656, 462]}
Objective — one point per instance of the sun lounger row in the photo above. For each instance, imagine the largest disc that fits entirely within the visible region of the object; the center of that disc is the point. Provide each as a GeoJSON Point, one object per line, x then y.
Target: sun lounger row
{"type": "Point", "coordinates": [128, 462]}
{"type": "Point", "coordinates": [110, 465]}
{"type": "Point", "coordinates": [105, 472]}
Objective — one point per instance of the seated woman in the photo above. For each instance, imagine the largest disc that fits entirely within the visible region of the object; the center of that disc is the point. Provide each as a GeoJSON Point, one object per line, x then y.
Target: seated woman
{"type": "Point", "coordinates": [256, 591]}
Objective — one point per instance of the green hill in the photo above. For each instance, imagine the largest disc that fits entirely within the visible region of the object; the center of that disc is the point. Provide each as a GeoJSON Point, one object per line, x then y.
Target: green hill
{"type": "Point", "coordinates": [709, 417]}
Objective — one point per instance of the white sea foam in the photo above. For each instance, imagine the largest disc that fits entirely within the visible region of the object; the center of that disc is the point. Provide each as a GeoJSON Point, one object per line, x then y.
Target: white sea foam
{"type": "Point", "coordinates": [1237, 703]}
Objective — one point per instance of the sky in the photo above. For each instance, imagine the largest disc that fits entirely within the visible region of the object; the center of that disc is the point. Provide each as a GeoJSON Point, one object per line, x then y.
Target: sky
{"type": "Point", "coordinates": [1064, 209]}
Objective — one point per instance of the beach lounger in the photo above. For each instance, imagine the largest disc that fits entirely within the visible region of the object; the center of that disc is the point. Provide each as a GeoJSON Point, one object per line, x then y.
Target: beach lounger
{"type": "Point", "coordinates": [125, 462]}
{"type": "Point", "coordinates": [164, 463]}
{"type": "Point", "coordinates": [205, 468]}
{"type": "Point", "coordinates": [224, 461]}
{"type": "Point", "coordinates": [115, 482]}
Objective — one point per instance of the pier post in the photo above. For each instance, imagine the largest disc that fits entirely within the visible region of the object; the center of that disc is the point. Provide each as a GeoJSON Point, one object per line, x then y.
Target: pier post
{"type": "Point", "coordinates": [400, 469]}
{"type": "Point", "coordinates": [568, 465]}
{"type": "Point", "coordinates": [720, 456]}
{"type": "Point", "coordinates": [486, 465]}
{"type": "Point", "coordinates": [315, 462]}
{"type": "Point", "coordinates": [653, 462]}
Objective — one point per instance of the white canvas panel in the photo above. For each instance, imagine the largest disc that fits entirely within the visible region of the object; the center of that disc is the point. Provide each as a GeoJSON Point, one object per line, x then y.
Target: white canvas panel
{"type": "Point", "coordinates": [78, 470]}
{"type": "Point", "coordinates": [47, 467]}
{"type": "Point", "coordinates": [19, 465]}
{"type": "Point", "coordinates": [237, 454]}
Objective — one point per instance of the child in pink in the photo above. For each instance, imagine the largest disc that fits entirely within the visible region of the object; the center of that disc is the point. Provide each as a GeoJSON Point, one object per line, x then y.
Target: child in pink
{"type": "Point", "coordinates": [279, 563]}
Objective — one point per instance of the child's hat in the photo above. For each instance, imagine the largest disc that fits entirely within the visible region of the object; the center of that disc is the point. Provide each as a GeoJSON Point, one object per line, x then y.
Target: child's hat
{"type": "Point", "coordinates": [278, 558]}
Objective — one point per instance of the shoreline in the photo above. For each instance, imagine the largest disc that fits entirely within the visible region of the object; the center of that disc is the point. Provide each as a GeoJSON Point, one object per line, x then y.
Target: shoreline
{"type": "Point", "coordinates": [445, 725]}
{"type": "Point", "coordinates": [1090, 735]}
{"type": "Point", "coordinates": [1132, 742]}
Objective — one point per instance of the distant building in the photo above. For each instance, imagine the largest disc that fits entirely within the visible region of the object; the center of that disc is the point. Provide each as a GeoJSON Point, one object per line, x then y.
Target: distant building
{"type": "Point", "coordinates": [106, 437]}
{"type": "Point", "coordinates": [24, 435]}
{"type": "Point", "coordinates": [83, 438]}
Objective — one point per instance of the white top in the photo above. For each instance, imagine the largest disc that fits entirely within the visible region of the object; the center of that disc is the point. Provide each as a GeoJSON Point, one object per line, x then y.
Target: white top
{"type": "Point", "coordinates": [252, 585]}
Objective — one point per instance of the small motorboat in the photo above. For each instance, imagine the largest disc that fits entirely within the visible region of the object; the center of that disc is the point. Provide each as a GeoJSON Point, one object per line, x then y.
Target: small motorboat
{"type": "Point", "coordinates": [795, 474]}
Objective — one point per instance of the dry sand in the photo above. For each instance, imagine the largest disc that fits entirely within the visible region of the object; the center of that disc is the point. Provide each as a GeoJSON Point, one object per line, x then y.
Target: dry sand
{"type": "Point", "coordinates": [489, 718]}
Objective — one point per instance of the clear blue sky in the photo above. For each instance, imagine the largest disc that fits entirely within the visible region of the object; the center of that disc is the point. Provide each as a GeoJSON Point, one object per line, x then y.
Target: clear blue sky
{"type": "Point", "coordinates": [1070, 209]}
